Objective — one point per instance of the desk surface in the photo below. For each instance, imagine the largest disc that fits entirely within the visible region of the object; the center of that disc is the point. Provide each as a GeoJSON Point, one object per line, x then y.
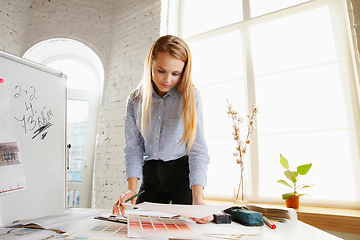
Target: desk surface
{"type": "Point", "coordinates": [80, 224]}
{"type": "Point", "coordinates": [328, 219]}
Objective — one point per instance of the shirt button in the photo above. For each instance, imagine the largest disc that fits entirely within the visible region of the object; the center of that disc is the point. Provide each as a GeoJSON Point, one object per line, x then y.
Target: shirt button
{"type": "Point", "coordinates": [155, 154]}
{"type": "Point", "coordinates": [157, 136]}
{"type": "Point", "coordinates": [159, 117]}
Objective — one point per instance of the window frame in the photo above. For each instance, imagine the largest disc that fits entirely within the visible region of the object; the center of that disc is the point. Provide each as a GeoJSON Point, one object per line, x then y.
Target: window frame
{"type": "Point", "coordinates": [244, 27]}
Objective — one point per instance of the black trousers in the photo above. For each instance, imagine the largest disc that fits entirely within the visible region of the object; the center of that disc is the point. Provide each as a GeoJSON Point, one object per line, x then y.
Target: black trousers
{"type": "Point", "coordinates": [166, 182]}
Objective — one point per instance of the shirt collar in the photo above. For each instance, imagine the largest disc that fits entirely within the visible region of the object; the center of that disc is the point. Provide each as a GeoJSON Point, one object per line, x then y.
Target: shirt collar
{"type": "Point", "coordinates": [172, 93]}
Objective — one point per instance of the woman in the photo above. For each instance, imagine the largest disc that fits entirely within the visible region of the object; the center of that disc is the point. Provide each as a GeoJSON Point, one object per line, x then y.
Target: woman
{"type": "Point", "coordinates": [164, 136]}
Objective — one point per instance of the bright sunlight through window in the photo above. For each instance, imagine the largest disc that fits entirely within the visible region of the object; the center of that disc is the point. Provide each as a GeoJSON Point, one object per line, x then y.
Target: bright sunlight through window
{"type": "Point", "coordinates": [291, 59]}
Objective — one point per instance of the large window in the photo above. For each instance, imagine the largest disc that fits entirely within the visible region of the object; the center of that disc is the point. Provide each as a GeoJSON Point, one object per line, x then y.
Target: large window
{"type": "Point", "coordinates": [292, 59]}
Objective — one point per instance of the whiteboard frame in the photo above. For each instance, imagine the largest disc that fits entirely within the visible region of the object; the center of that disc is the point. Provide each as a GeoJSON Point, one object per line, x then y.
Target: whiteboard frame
{"type": "Point", "coordinates": [32, 64]}
{"type": "Point", "coordinates": [5, 220]}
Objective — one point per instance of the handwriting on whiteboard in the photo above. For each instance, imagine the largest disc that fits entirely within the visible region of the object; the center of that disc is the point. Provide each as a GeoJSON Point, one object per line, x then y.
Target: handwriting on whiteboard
{"type": "Point", "coordinates": [33, 120]}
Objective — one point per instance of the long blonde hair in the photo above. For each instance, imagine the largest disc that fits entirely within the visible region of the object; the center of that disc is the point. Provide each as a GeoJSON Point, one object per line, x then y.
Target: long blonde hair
{"type": "Point", "coordinates": [178, 49]}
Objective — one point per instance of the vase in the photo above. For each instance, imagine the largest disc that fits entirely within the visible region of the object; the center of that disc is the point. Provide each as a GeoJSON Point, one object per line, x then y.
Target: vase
{"type": "Point", "coordinates": [240, 196]}
{"type": "Point", "coordinates": [292, 202]}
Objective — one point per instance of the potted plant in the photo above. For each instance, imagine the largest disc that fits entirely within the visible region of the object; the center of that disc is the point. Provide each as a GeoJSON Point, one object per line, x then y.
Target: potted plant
{"type": "Point", "coordinates": [292, 198]}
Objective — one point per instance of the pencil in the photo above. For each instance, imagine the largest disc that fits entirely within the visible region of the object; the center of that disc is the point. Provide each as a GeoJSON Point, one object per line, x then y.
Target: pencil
{"type": "Point", "coordinates": [133, 197]}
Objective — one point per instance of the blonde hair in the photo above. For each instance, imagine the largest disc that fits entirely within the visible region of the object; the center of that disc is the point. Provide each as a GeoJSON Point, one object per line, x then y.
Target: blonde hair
{"type": "Point", "coordinates": [178, 49]}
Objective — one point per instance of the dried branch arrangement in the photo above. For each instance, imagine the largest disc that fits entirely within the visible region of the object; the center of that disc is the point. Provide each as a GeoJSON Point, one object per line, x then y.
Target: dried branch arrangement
{"type": "Point", "coordinates": [241, 146]}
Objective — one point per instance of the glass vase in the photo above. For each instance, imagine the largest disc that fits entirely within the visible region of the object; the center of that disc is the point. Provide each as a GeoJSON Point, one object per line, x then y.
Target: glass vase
{"type": "Point", "coordinates": [240, 196]}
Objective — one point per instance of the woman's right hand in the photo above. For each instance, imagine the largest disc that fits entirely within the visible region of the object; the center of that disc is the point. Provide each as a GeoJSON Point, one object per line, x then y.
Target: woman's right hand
{"type": "Point", "coordinates": [128, 194]}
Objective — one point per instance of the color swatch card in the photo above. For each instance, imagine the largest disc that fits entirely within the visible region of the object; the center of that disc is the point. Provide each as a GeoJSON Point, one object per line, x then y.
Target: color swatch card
{"type": "Point", "coordinates": [100, 230]}
{"type": "Point", "coordinates": [159, 228]}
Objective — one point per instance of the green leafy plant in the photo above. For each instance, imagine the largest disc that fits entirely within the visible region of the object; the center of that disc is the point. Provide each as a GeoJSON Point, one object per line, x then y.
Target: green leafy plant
{"type": "Point", "coordinates": [293, 176]}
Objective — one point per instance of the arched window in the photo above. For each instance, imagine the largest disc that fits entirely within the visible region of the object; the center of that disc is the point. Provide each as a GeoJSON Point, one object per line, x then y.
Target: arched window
{"type": "Point", "coordinates": [85, 77]}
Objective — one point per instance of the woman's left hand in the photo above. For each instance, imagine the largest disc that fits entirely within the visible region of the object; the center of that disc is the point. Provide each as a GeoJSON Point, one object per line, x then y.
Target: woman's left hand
{"type": "Point", "coordinates": [198, 200]}
{"type": "Point", "coordinates": [203, 220]}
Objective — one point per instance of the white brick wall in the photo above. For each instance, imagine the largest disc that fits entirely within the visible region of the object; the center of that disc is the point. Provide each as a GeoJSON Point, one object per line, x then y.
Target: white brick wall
{"type": "Point", "coordinates": [354, 14]}
{"type": "Point", "coordinates": [13, 20]}
{"type": "Point", "coordinates": [135, 27]}
{"type": "Point", "coordinates": [24, 23]}
{"type": "Point", "coordinates": [87, 21]}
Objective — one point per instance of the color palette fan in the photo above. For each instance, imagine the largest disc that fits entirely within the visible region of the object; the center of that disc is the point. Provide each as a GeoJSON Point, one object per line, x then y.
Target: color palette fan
{"type": "Point", "coordinates": [159, 227]}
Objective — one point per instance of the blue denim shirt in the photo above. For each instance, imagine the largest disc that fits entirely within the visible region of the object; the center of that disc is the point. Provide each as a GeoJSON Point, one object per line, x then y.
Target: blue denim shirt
{"type": "Point", "coordinates": [163, 136]}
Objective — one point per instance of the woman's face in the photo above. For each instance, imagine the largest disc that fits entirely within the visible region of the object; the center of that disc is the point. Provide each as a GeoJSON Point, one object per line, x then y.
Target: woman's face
{"type": "Point", "coordinates": [166, 72]}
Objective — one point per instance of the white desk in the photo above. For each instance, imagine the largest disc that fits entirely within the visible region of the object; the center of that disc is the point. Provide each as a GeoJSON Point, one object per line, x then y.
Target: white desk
{"type": "Point", "coordinates": [80, 224]}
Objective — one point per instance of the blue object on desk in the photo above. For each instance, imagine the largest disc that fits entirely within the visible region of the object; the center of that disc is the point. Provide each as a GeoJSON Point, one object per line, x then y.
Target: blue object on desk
{"type": "Point", "coordinates": [247, 217]}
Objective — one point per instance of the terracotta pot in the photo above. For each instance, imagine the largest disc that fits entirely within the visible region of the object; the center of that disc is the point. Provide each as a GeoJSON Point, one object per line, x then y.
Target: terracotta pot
{"type": "Point", "coordinates": [292, 202]}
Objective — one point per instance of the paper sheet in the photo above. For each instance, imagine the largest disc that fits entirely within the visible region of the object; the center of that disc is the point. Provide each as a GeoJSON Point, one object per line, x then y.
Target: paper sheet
{"type": "Point", "coordinates": [147, 213]}
{"type": "Point", "coordinates": [197, 211]}
{"type": "Point", "coordinates": [12, 176]}
{"type": "Point", "coordinates": [69, 221]}
{"type": "Point", "coordinates": [228, 229]}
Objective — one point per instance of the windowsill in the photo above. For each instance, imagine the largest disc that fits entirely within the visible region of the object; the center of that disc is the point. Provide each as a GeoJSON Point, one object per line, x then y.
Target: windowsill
{"type": "Point", "coordinates": [329, 219]}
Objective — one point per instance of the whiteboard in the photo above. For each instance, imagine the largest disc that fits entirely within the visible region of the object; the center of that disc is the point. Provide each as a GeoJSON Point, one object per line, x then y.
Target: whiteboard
{"type": "Point", "coordinates": [36, 98]}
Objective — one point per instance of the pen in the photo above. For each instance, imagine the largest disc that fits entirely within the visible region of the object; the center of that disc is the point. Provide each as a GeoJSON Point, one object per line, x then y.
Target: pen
{"type": "Point", "coordinates": [133, 197]}
{"type": "Point", "coordinates": [269, 223]}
